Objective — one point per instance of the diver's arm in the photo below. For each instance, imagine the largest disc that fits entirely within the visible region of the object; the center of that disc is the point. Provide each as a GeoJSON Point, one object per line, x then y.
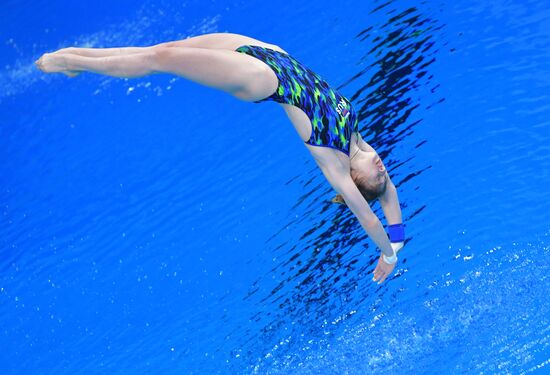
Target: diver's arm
{"type": "Point", "coordinates": [389, 200]}
{"type": "Point", "coordinates": [369, 221]}
{"type": "Point", "coordinates": [390, 204]}
{"type": "Point", "coordinates": [343, 183]}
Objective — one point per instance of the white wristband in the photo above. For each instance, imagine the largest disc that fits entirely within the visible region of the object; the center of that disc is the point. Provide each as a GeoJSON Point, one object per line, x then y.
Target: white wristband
{"type": "Point", "coordinates": [395, 246]}
{"type": "Point", "coordinates": [390, 260]}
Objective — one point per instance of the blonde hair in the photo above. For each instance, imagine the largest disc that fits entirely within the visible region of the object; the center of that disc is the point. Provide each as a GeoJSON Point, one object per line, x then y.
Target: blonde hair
{"type": "Point", "coordinates": [368, 192]}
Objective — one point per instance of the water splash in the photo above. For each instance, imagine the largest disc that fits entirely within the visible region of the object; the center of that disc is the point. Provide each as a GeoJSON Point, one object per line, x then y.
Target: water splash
{"type": "Point", "coordinates": [141, 29]}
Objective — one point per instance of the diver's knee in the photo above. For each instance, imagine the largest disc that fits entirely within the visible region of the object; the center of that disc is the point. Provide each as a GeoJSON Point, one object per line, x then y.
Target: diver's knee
{"type": "Point", "coordinates": [161, 57]}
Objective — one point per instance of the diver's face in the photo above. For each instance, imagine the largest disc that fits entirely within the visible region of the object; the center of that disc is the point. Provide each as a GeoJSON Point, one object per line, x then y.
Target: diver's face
{"type": "Point", "coordinates": [370, 166]}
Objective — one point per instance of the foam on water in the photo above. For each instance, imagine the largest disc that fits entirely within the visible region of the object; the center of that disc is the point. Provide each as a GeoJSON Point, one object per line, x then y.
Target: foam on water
{"type": "Point", "coordinates": [468, 322]}
{"type": "Point", "coordinates": [141, 29]}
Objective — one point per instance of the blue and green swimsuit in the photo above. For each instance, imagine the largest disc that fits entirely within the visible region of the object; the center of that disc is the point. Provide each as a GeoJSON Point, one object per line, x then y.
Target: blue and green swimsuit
{"type": "Point", "coordinates": [333, 120]}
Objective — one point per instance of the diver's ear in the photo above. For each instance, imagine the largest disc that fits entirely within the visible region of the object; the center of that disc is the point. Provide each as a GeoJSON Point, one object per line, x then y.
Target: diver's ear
{"type": "Point", "coordinates": [338, 199]}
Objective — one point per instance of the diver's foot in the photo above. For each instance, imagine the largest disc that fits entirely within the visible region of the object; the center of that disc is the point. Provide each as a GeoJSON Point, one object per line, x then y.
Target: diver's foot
{"type": "Point", "coordinates": [55, 63]}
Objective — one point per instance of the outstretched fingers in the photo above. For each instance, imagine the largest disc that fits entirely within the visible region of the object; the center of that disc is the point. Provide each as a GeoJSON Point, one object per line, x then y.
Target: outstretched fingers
{"type": "Point", "coordinates": [382, 271]}
{"type": "Point", "coordinates": [379, 276]}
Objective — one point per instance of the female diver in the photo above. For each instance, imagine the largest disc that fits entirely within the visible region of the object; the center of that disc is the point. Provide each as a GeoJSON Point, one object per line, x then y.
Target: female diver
{"type": "Point", "coordinates": [255, 71]}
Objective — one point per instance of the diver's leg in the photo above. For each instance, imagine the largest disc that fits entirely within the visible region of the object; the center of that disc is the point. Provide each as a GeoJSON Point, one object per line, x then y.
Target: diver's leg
{"type": "Point", "coordinates": [227, 41]}
{"type": "Point", "coordinates": [101, 52]}
{"type": "Point", "coordinates": [238, 74]}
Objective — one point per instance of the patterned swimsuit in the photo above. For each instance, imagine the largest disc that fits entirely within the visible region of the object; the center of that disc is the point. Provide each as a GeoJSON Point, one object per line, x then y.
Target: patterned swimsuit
{"type": "Point", "coordinates": [333, 119]}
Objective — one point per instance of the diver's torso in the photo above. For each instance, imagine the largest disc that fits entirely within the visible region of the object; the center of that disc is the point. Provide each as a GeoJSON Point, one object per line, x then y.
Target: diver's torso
{"type": "Point", "coordinates": [302, 125]}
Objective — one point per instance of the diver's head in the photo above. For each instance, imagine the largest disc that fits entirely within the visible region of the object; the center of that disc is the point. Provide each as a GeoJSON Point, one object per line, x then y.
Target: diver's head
{"type": "Point", "coordinates": [369, 174]}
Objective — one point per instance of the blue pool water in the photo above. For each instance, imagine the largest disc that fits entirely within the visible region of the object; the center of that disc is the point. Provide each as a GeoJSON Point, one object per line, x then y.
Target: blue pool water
{"type": "Point", "coordinates": [155, 226]}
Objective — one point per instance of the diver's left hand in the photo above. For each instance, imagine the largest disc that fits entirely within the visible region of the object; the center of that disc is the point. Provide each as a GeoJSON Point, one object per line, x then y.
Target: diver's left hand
{"type": "Point", "coordinates": [382, 270]}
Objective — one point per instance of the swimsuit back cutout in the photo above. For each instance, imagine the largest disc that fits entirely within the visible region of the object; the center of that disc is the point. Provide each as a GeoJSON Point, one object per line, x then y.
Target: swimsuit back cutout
{"type": "Point", "coordinates": [333, 119]}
